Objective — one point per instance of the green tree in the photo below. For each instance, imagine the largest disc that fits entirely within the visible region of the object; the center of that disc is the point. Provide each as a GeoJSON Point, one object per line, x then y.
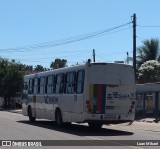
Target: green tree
{"type": "Point", "coordinates": [58, 63]}
{"type": "Point", "coordinates": [3, 66]}
{"type": "Point", "coordinates": [22, 67]}
{"type": "Point", "coordinates": [28, 67]}
{"type": "Point", "coordinates": [148, 51]}
{"type": "Point", "coordinates": [39, 68]}
{"type": "Point", "coordinates": [11, 80]}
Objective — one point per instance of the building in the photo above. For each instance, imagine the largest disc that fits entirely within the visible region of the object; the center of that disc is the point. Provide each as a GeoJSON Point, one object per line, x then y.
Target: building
{"type": "Point", "coordinates": [148, 100]}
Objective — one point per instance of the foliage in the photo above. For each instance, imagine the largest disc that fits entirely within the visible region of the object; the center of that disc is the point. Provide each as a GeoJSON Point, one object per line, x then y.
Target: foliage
{"type": "Point", "coordinates": [39, 68]}
{"type": "Point", "coordinates": [148, 51]}
{"type": "Point", "coordinates": [11, 79]}
{"type": "Point", "coordinates": [150, 70]}
{"type": "Point", "coordinates": [23, 67]}
{"type": "Point", "coordinates": [58, 63]}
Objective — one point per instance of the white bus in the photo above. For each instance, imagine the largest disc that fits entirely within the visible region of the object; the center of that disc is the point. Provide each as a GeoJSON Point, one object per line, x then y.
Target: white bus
{"type": "Point", "coordinates": [96, 93]}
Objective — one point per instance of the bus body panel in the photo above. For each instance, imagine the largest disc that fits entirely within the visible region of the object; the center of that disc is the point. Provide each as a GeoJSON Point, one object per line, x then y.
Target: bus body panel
{"type": "Point", "coordinates": [108, 95]}
{"type": "Point", "coordinates": [111, 92]}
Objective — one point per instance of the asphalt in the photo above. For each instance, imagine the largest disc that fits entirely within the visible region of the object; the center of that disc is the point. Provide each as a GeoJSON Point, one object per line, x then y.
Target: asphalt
{"type": "Point", "coordinates": [148, 120]}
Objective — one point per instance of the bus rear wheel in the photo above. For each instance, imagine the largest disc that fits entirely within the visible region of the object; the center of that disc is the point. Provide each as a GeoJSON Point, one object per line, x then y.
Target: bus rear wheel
{"type": "Point", "coordinates": [95, 125]}
{"type": "Point", "coordinates": [31, 118]}
{"type": "Point", "coordinates": [58, 118]}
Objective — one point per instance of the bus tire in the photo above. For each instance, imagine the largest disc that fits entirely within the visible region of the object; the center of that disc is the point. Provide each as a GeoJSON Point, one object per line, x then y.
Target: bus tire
{"type": "Point", "coordinates": [58, 118]}
{"type": "Point", "coordinates": [31, 118]}
{"type": "Point", "coordinates": [95, 125]}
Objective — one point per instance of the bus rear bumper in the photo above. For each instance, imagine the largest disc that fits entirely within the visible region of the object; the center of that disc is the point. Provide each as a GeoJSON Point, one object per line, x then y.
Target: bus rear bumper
{"type": "Point", "coordinates": [110, 118]}
{"type": "Point", "coordinates": [110, 121]}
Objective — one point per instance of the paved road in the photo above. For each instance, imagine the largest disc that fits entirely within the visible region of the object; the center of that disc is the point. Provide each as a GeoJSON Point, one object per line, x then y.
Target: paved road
{"type": "Point", "coordinates": [15, 126]}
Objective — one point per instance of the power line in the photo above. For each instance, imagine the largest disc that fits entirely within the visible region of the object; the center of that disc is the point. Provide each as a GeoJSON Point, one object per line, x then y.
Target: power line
{"type": "Point", "coordinates": [149, 26]}
{"type": "Point", "coordinates": [73, 55]}
{"type": "Point", "coordinates": [65, 41]}
{"type": "Point", "coordinates": [43, 58]}
{"type": "Point", "coordinates": [52, 52]}
{"type": "Point", "coordinates": [115, 31]}
{"type": "Point", "coordinates": [20, 51]}
{"type": "Point", "coordinates": [46, 58]}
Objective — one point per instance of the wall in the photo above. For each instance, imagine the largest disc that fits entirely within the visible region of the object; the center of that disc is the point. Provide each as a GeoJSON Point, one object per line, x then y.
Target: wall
{"type": "Point", "coordinates": [148, 100]}
{"type": "Point", "coordinates": [1, 101]}
{"type": "Point", "coordinates": [13, 102]}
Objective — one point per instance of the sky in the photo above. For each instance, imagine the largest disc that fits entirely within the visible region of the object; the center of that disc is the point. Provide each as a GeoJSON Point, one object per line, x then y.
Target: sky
{"type": "Point", "coordinates": [36, 32]}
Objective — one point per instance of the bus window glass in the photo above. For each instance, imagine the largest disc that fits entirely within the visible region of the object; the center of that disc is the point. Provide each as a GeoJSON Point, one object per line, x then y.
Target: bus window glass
{"type": "Point", "coordinates": [25, 86]}
{"type": "Point", "coordinates": [50, 84]}
{"type": "Point", "coordinates": [80, 81]}
{"type": "Point", "coordinates": [70, 83]}
{"type": "Point", "coordinates": [59, 84]}
{"type": "Point", "coordinates": [54, 84]}
{"type": "Point", "coordinates": [31, 85]}
{"type": "Point", "coordinates": [42, 85]}
{"type": "Point", "coordinates": [36, 86]}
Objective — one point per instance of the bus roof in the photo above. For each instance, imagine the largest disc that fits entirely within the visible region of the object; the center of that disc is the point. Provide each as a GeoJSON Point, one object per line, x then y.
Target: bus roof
{"type": "Point", "coordinates": [72, 68]}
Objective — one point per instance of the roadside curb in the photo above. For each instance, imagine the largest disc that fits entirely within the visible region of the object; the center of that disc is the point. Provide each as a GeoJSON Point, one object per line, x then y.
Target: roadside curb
{"type": "Point", "coordinates": [19, 111]}
{"type": "Point", "coordinates": [148, 121]}
{"type": "Point", "coordinates": [16, 111]}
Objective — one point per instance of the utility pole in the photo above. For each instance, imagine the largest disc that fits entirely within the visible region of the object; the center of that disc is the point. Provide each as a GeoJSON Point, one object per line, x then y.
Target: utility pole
{"type": "Point", "coordinates": [94, 56]}
{"type": "Point", "coordinates": [134, 43]}
{"type": "Point", "coordinates": [127, 58]}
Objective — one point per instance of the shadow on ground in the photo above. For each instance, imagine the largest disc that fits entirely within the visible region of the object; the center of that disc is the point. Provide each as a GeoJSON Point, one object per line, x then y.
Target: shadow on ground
{"type": "Point", "coordinates": [79, 130]}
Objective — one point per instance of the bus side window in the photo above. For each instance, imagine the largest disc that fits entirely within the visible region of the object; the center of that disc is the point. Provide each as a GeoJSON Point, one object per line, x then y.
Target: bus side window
{"type": "Point", "coordinates": [50, 84]}
{"type": "Point", "coordinates": [80, 81]}
{"type": "Point", "coordinates": [36, 86]}
{"type": "Point", "coordinates": [70, 83]}
{"type": "Point", "coordinates": [31, 85]}
{"type": "Point", "coordinates": [42, 85]}
{"type": "Point", "coordinates": [59, 83]}
{"type": "Point", "coordinates": [64, 83]}
{"type": "Point", "coordinates": [54, 84]}
{"type": "Point", "coordinates": [25, 86]}
{"type": "Point", "coordinates": [46, 83]}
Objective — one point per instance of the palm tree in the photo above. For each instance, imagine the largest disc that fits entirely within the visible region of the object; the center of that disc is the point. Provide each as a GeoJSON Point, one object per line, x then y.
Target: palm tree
{"type": "Point", "coordinates": [148, 51]}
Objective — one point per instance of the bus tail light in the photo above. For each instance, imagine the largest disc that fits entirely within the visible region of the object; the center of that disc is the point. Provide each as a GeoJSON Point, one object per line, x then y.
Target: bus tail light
{"type": "Point", "coordinates": [131, 107]}
{"type": "Point", "coordinates": [88, 105]}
